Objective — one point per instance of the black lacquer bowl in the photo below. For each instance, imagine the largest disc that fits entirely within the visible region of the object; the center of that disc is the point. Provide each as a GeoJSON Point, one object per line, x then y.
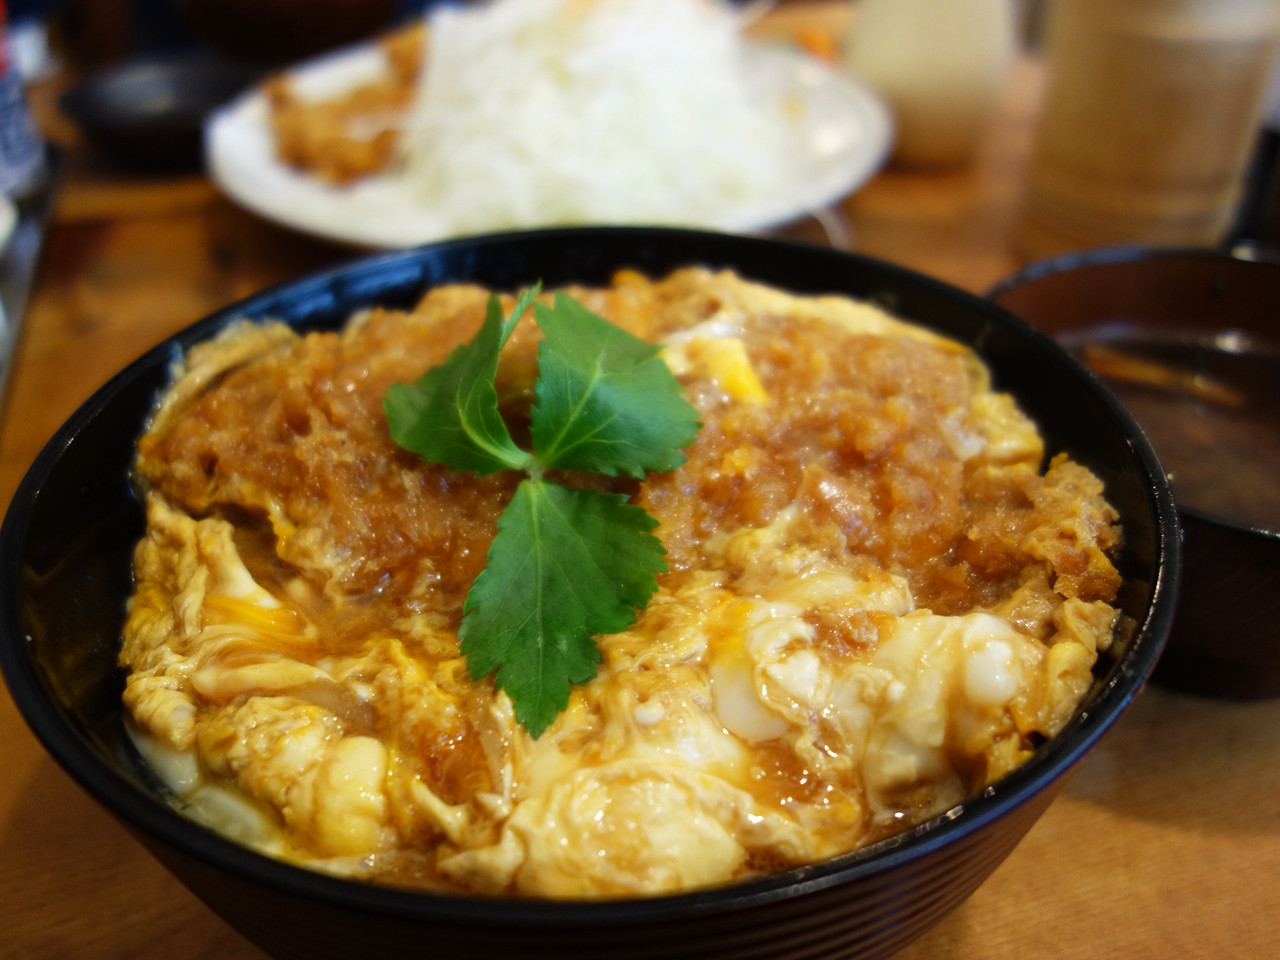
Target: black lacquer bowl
{"type": "Point", "coordinates": [64, 574]}
{"type": "Point", "coordinates": [148, 115]}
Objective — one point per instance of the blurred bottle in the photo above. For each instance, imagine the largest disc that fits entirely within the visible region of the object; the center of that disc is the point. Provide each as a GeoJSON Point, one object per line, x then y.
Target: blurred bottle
{"type": "Point", "coordinates": [1148, 122]}
{"type": "Point", "coordinates": [22, 158]}
{"type": "Point", "coordinates": [941, 65]}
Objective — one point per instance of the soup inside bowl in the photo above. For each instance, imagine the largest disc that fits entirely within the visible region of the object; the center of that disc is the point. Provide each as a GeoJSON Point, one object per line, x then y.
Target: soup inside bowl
{"type": "Point", "coordinates": [70, 534]}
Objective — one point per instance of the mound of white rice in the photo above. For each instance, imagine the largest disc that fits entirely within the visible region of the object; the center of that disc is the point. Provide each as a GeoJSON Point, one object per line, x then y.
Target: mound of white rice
{"type": "Point", "coordinates": [536, 112]}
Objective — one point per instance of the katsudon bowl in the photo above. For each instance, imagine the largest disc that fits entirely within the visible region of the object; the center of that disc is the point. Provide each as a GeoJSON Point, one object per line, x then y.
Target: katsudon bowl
{"type": "Point", "coordinates": [65, 560]}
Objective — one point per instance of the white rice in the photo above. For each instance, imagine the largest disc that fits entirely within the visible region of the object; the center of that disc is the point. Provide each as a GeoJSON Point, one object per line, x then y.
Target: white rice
{"type": "Point", "coordinates": [535, 112]}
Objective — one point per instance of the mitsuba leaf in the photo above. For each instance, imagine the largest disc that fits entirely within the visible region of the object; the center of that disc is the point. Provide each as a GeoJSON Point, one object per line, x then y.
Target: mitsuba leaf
{"type": "Point", "coordinates": [450, 415]}
{"type": "Point", "coordinates": [606, 402]}
{"type": "Point", "coordinates": [564, 566]}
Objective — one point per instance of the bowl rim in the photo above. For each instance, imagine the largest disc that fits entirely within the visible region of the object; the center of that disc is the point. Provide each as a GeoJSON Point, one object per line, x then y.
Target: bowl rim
{"type": "Point", "coordinates": [1101, 256]}
{"type": "Point", "coordinates": [146, 814]}
{"type": "Point", "coordinates": [1119, 255]}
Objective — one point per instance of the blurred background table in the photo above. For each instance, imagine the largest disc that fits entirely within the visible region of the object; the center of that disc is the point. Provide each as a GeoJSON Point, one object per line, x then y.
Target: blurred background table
{"type": "Point", "coordinates": [1165, 844]}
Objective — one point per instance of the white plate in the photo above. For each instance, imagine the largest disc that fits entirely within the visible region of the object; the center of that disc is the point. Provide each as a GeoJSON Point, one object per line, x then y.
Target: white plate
{"type": "Point", "coordinates": [845, 131]}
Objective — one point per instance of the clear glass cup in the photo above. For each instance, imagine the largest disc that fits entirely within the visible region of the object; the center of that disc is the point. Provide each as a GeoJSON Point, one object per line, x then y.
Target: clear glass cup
{"type": "Point", "coordinates": [1149, 118]}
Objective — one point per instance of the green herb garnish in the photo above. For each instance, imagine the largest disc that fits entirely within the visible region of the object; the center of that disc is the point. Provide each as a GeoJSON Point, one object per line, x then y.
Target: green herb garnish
{"type": "Point", "coordinates": [566, 564]}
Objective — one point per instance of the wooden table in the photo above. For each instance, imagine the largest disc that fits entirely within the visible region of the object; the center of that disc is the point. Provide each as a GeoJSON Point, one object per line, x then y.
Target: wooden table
{"type": "Point", "coordinates": [1166, 844]}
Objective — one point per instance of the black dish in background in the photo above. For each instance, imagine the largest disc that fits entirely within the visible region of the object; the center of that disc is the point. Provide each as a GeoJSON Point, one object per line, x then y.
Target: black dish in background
{"type": "Point", "coordinates": [149, 114]}
{"type": "Point", "coordinates": [1177, 291]}
{"type": "Point", "coordinates": [1225, 640]}
{"type": "Point", "coordinates": [64, 575]}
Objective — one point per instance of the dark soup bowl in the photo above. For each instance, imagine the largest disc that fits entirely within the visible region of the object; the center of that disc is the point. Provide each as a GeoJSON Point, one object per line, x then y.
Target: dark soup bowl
{"type": "Point", "coordinates": [148, 115]}
{"type": "Point", "coordinates": [65, 555]}
{"type": "Point", "coordinates": [1189, 340]}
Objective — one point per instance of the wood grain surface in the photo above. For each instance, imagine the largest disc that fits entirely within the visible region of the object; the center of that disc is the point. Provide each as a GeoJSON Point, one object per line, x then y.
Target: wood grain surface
{"type": "Point", "coordinates": [1166, 844]}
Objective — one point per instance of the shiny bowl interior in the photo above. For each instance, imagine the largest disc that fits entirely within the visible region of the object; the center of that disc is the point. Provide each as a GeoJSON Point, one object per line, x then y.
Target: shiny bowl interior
{"type": "Point", "coordinates": [64, 562]}
{"type": "Point", "coordinates": [1200, 327]}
